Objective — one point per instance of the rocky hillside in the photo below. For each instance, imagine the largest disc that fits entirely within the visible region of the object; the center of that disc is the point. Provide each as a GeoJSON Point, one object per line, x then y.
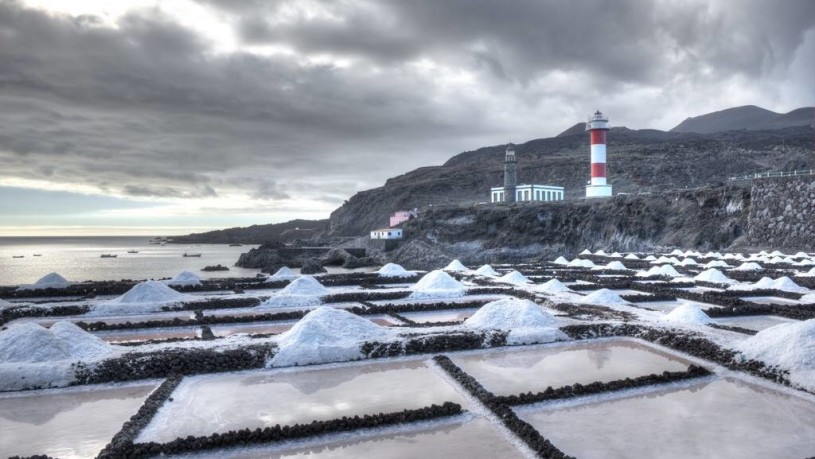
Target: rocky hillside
{"type": "Point", "coordinates": [746, 117]}
{"type": "Point", "coordinates": [259, 234]}
{"type": "Point", "coordinates": [706, 219]}
{"type": "Point", "coordinates": [638, 161]}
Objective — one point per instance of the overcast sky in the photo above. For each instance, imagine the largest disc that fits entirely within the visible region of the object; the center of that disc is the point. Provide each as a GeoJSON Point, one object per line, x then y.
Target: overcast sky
{"type": "Point", "coordinates": [165, 117]}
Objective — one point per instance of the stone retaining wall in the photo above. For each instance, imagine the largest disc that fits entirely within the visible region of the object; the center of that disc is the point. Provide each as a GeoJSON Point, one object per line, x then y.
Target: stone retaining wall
{"type": "Point", "coordinates": [782, 214]}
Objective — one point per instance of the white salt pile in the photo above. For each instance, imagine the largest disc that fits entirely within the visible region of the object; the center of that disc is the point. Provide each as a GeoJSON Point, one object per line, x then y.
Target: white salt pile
{"type": "Point", "coordinates": [601, 253]}
{"type": "Point", "coordinates": [603, 297]}
{"type": "Point", "coordinates": [185, 278]}
{"type": "Point", "coordinates": [284, 273]}
{"type": "Point", "coordinates": [456, 266]}
{"type": "Point", "coordinates": [785, 284]}
{"type": "Point", "coordinates": [31, 343]}
{"type": "Point", "coordinates": [437, 284]}
{"type": "Point", "coordinates": [688, 262]}
{"type": "Point", "coordinates": [586, 252]}
{"type": "Point", "coordinates": [650, 258]}
{"type": "Point", "coordinates": [526, 321]}
{"type": "Point", "coordinates": [616, 255]}
{"type": "Point", "coordinates": [776, 253]}
{"type": "Point", "coordinates": [144, 297]}
{"type": "Point", "coordinates": [5, 304]}
{"type": "Point", "coordinates": [578, 263]}
{"type": "Point", "coordinates": [810, 273]}
{"type": "Point", "coordinates": [715, 276]}
{"type": "Point", "coordinates": [749, 266]}
{"type": "Point", "coordinates": [764, 283]}
{"type": "Point", "coordinates": [552, 286]}
{"type": "Point", "coordinates": [303, 291]}
{"type": "Point", "coordinates": [615, 266]}
{"type": "Point", "coordinates": [51, 280]}
{"type": "Point", "coordinates": [791, 346]}
{"type": "Point", "coordinates": [677, 253]}
{"type": "Point", "coordinates": [809, 298]}
{"type": "Point", "coordinates": [326, 335]}
{"type": "Point", "coordinates": [79, 342]}
{"type": "Point", "coordinates": [515, 278]}
{"type": "Point", "coordinates": [561, 261]}
{"type": "Point", "coordinates": [394, 270]}
{"type": "Point", "coordinates": [801, 255]}
{"type": "Point", "coordinates": [717, 264]}
{"type": "Point", "coordinates": [688, 313]}
{"type": "Point", "coordinates": [631, 256]}
{"type": "Point", "coordinates": [664, 270]}
{"type": "Point", "coordinates": [486, 270]}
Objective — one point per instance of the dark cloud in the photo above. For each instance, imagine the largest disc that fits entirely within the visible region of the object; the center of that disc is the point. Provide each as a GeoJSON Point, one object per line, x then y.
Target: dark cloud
{"type": "Point", "coordinates": [322, 99]}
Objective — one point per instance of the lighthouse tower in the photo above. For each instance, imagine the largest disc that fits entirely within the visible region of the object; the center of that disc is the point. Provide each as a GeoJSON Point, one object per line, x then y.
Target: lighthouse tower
{"type": "Point", "coordinates": [510, 174]}
{"type": "Point", "coordinates": [597, 127]}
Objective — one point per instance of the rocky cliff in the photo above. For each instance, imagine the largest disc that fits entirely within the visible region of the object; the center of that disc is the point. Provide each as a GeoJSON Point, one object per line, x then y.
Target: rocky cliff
{"type": "Point", "coordinates": [705, 219]}
{"type": "Point", "coordinates": [638, 161]}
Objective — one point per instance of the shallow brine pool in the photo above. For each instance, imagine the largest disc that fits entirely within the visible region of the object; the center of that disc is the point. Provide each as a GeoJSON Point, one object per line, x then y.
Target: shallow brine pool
{"type": "Point", "coordinates": [457, 315]}
{"type": "Point", "coordinates": [722, 418]}
{"type": "Point", "coordinates": [512, 371]}
{"type": "Point", "coordinates": [471, 439]}
{"type": "Point", "coordinates": [756, 323]}
{"type": "Point", "coordinates": [219, 403]}
{"type": "Point", "coordinates": [66, 423]}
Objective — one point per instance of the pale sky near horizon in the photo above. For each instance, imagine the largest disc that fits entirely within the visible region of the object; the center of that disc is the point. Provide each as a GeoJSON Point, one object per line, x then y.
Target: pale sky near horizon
{"type": "Point", "coordinates": [165, 117]}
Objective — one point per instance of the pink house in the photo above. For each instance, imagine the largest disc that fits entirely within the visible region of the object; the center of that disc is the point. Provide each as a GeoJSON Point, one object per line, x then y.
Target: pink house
{"type": "Point", "coordinates": [400, 217]}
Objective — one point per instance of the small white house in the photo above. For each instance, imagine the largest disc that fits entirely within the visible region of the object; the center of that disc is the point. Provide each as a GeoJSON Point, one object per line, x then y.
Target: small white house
{"type": "Point", "coordinates": [529, 193]}
{"type": "Point", "coordinates": [387, 233]}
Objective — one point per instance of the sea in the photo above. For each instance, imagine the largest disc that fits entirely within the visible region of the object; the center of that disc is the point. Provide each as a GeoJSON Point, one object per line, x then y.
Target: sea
{"type": "Point", "coordinates": [80, 259]}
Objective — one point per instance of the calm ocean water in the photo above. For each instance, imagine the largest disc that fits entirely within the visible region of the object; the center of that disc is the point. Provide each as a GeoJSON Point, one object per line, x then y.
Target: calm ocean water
{"type": "Point", "coordinates": [79, 259]}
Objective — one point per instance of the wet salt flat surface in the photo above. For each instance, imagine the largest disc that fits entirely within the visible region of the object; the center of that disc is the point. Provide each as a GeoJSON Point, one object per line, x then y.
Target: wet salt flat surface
{"type": "Point", "coordinates": [119, 319]}
{"type": "Point", "coordinates": [440, 316]}
{"type": "Point", "coordinates": [757, 323]}
{"type": "Point", "coordinates": [147, 334]}
{"type": "Point", "coordinates": [463, 299]}
{"type": "Point", "coordinates": [465, 440]}
{"type": "Point", "coordinates": [628, 292]}
{"type": "Point", "coordinates": [668, 306]}
{"type": "Point", "coordinates": [701, 289]}
{"type": "Point", "coordinates": [770, 300]}
{"type": "Point", "coordinates": [512, 371]}
{"type": "Point", "coordinates": [254, 311]}
{"type": "Point", "coordinates": [219, 403]}
{"type": "Point", "coordinates": [725, 418]}
{"type": "Point", "coordinates": [67, 423]}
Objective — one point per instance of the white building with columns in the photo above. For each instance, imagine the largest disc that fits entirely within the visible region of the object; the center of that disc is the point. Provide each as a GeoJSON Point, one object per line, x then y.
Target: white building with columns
{"type": "Point", "coordinates": [511, 192]}
{"type": "Point", "coordinates": [529, 193]}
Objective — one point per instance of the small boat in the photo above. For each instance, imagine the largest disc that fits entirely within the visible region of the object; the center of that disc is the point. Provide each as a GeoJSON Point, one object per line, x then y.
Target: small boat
{"type": "Point", "coordinates": [18, 256]}
{"type": "Point", "coordinates": [132, 251]}
{"type": "Point", "coordinates": [234, 245]}
{"type": "Point", "coordinates": [192, 254]}
{"type": "Point", "coordinates": [37, 254]}
{"type": "Point", "coordinates": [109, 255]}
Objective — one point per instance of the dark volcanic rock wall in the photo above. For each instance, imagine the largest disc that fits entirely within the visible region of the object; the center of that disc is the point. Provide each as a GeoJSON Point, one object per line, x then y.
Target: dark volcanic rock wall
{"type": "Point", "coordinates": [639, 161]}
{"type": "Point", "coordinates": [703, 219]}
{"type": "Point", "coordinates": [782, 213]}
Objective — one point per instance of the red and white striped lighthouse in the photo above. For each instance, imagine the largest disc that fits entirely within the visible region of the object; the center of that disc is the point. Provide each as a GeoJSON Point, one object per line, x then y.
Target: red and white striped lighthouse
{"type": "Point", "coordinates": [597, 127]}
